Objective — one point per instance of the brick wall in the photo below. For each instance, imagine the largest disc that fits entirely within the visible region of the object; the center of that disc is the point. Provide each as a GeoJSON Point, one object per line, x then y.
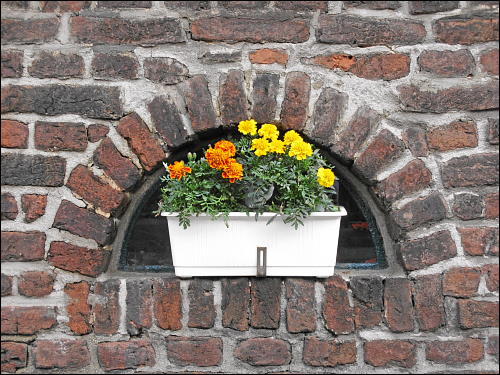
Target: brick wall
{"type": "Point", "coordinates": [96, 94]}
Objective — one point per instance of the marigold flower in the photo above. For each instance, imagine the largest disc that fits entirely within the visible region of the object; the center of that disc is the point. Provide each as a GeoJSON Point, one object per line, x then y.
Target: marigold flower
{"type": "Point", "coordinates": [226, 146]}
{"type": "Point", "coordinates": [248, 127]}
{"type": "Point", "coordinates": [291, 136]}
{"type": "Point", "coordinates": [233, 171]}
{"type": "Point", "coordinates": [261, 146]}
{"type": "Point", "coordinates": [178, 170]}
{"type": "Point", "coordinates": [269, 131]}
{"type": "Point", "coordinates": [277, 146]}
{"type": "Point", "coordinates": [300, 150]}
{"type": "Point", "coordinates": [217, 158]}
{"type": "Point", "coordinates": [326, 177]}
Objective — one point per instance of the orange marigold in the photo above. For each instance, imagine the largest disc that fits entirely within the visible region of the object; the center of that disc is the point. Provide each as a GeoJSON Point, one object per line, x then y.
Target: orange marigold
{"type": "Point", "coordinates": [227, 146]}
{"type": "Point", "coordinates": [217, 158]}
{"type": "Point", "coordinates": [233, 171]}
{"type": "Point", "coordinates": [178, 170]}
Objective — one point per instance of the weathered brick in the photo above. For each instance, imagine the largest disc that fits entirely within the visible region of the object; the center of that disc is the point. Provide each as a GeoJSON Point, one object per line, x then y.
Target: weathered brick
{"type": "Point", "coordinates": [399, 311]}
{"type": "Point", "coordinates": [115, 65]}
{"type": "Point", "coordinates": [27, 320]}
{"type": "Point", "coordinates": [35, 283]}
{"type": "Point", "coordinates": [328, 353]}
{"type": "Point", "coordinates": [479, 240]}
{"type": "Point", "coordinates": [233, 103]}
{"type": "Point", "coordinates": [28, 31]}
{"type": "Point", "coordinates": [6, 285]}
{"type": "Point", "coordinates": [493, 131]}
{"type": "Point", "coordinates": [490, 272]}
{"type": "Point", "coordinates": [383, 150]}
{"type": "Point", "coordinates": [337, 312]}
{"type": "Point", "coordinates": [458, 134]}
{"type": "Point", "coordinates": [84, 223]}
{"type": "Point", "coordinates": [33, 206]}
{"type": "Point", "coordinates": [243, 4]}
{"type": "Point", "coordinates": [188, 5]}
{"type": "Point", "coordinates": [12, 63]}
{"type": "Point", "coordinates": [167, 304]}
{"type": "Point", "coordinates": [328, 111]}
{"type": "Point", "coordinates": [301, 305]}
{"type": "Point", "coordinates": [89, 262]}
{"type": "Point", "coordinates": [201, 304]}
{"type": "Point", "coordinates": [14, 356]}
{"type": "Point", "coordinates": [268, 56]}
{"type": "Point", "coordinates": [492, 348]}
{"type": "Point", "coordinates": [471, 170]}
{"type": "Point", "coordinates": [235, 303]}
{"type": "Point", "coordinates": [106, 309]}
{"type": "Point", "coordinates": [167, 121]}
{"type": "Point", "coordinates": [148, 32]}
{"type": "Point", "coordinates": [62, 354]}
{"type": "Point", "coordinates": [429, 302]}
{"type": "Point", "coordinates": [425, 7]}
{"type": "Point", "coordinates": [454, 352]}
{"type": "Point", "coordinates": [199, 103]}
{"type": "Point", "coordinates": [473, 98]}
{"type": "Point", "coordinates": [115, 165]}
{"type": "Point", "coordinates": [195, 351]}
{"type": "Point", "coordinates": [302, 5]}
{"type": "Point", "coordinates": [468, 206]}
{"type": "Point", "coordinates": [461, 282]}
{"type": "Point", "coordinates": [122, 355]}
{"type": "Point", "coordinates": [89, 101]}
{"type": "Point", "coordinates": [93, 190]}
{"type": "Point", "coordinates": [265, 303]}
{"type": "Point", "coordinates": [488, 60]}
{"type": "Point", "coordinates": [16, 4]}
{"type": "Point", "coordinates": [139, 300]}
{"type": "Point", "coordinates": [96, 132]}
{"type": "Point", "coordinates": [367, 31]}
{"type": "Point", "coordinates": [252, 30]}
{"type": "Point", "coordinates": [60, 136]}
{"type": "Point", "coordinates": [491, 206]}
{"type": "Point", "coordinates": [264, 352]}
{"type": "Point", "coordinates": [265, 90]}
{"type": "Point", "coordinates": [375, 5]}
{"type": "Point", "coordinates": [466, 28]}
{"type": "Point", "coordinates": [78, 308]}
{"type": "Point", "coordinates": [14, 134]}
{"type": "Point", "coordinates": [165, 70]}
{"type": "Point", "coordinates": [57, 65]}
{"type": "Point", "coordinates": [390, 352]}
{"type": "Point", "coordinates": [295, 104]}
{"type": "Point", "coordinates": [477, 314]}
{"type": "Point", "coordinates": [416, 141]}
{"type": "Point", "coordinates": [23, 246]}
{"type": "Point", "coordinates": [8, 207]}
{"type": "Point", "coordinates": [124, 4]}
{"type": "Point", "coordinates": [447, 63]}
{"type": "Point", "coordinates": [368, 301]}
{"type": "Point", "coordinates": [219, 57]}
{"type": "Point", "coordinates": [63, 6]}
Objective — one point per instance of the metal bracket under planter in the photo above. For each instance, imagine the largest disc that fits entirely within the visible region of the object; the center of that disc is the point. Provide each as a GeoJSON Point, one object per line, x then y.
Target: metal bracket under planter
{"type": "Point", "coordinates": [261, 261]}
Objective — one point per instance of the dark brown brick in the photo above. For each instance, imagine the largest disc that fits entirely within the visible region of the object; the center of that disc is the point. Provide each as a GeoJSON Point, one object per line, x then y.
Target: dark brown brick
{"type": "Point", "coordinates": [148, 32]}
{"type": "Point", "coordinates": [57, 65]}
{"type": "Point", "coordinates": [115, 165]}
{"type": "Point", "coordinates": [35, 283]}
{"type": "Point", "coordinates": [8, 207]}
{"type": "Point", "coordinates": [375, 5]}
{"type": "Point", "coordinates": [16, 4]}
{"type": "Point", "coordinates": [429, 302]}
{"type": "Point", "coordinates": [265, 90]}
{"type": "Point", "coordinates": [14, 134]}
{"type": "Point", "coordinates": [466, 28]}
{"type": "Point", "coordinates": [115, 65]}
{"type": "Point", "coordinates": [33, 206]}
{"type": "Point", "coordinates": [167, 304]}
{"type": "Point", "coordinates": [9, 321]}
{"type": "Point", "coordinates": [201, 304]}
{"type": "Point", "coordinates": [199, 103]}
{"type": "Point", "coordinates": [235, 303]}
{"type": "Point", "coordinates": [454, 352]}
{"type": "Point", "coordinates": [493, 131]}
{"type": "Point", "coordinates": [89, 262]}
{"type": "Point", "coordinates": [461, 282]}
{"type": "Point", "coordinates": [468, 206]}
{"type": "Point", "coordinates": [60, 136]}
{"type": "Point", "coordinates": [458, 134]}
{"type": "Point", "coordinates": [139, 301]}
{"type": "Point", "coordinates": [165, 70]}
{"type": "Point", "coordinates": [380, 353]}
{"type": "Point", "coordinates": [63, 6]}
{"type": "Point", "coordinates": [243, 4]}
{"type": "Point", "coordinates": [265, 303]}
{"type": "Point", "coordinates": [233, 103]}
{"type": "Point", "coordinates": [328, 111]}
{"type": "Point", "coordinates": [12, 63]}
{"type": "Point", "coordinates": [472, 170]}
{"type": "Point", "coordinates": [328, 353]}
{"type": "Point", "coordinates": [477, 314]}
{"type": "Point", "coordinates": [488, 60]}
{"type": "Point", "coordinates": [366, 31]}
{"type": "Point", "coordinates": [491, 275]}
{"type": "Point", "coordinates": [491, 206]}
{"type": "Point", "coordinates": [399, 313]}
{"type": "Point", "coordinates": [167, 121]}
{"type": "Point", "coordinates": [425, 7]}
{"type": "Point", "coordinates": [122, 355]}
{"type": "Point", "coordinates": [27, 320]}
{"type": "Point", "coordinates": [337, 312]}
{"type": "Point", "coordinates": [447, 63]}
{"type": "Point", "coordinates": [252, 30]}
{"type": "Point", "coordinates": [479, 240]}
{"type": "Point", "coordinates": [23, 246]}
{"type": "Point", "coordinates": [301, 305]}
{"type": "Point", "coordinates": [416, 141]}
{"type": "Point", "coordinates": [368, 301]}
{"type": "Point", "coordinates": [124, 4]}
{"type": "Point", "coordinates": [264, 352]}
{"type": "Point", "coordinates": [106, 309]}
{"type": "Point", "coordinates": [14, 356]}
{"type": "Point", "coordinates": [84, 223]}
{"type": "Point", "coordinates": [268, 56]}
{"type": "Point", "coordinates": [302, 5]}
{"type": "Point", "coordinates": [17, 31]}
{"type": "Point", "coordinates": [62, 354]}
{"type": "Point", "coordinates": [96, 132]}
{"type": "Point", "coordinates": [294, 108]}
{"type": "Point", "coordinates": [195, 351]}
{"type": "Point", "coordinates": [220, 57]}
{"type": "Point", "coordinates": [492, 348]}
{"type": "Point", "coordinates": [78, 308]}
{"type": "Point", "coordinates": [6, 285]}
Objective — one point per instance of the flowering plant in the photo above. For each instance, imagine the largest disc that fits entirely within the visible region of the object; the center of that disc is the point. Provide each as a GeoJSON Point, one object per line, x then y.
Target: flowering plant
{"type": "Point", "coordinates": [255, 172]}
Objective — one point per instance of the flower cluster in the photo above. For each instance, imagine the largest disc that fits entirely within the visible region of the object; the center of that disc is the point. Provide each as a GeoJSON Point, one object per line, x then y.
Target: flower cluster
{"type": "Point", "coordinates": [178, 170]}
{"type": "Point", "coordinates": [221, 157]}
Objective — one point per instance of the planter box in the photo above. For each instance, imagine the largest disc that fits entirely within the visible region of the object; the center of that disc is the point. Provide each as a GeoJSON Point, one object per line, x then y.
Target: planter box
{"type": "Point", "coordinates": [209, 248]}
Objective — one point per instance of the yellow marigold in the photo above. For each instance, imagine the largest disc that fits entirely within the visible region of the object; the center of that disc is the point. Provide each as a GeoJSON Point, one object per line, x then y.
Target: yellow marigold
{"type": "Point", "coordinates": [217, 158]}
{"type": "Point", "coordinates": [233, 171]}
{"type": "Point", "coordinates": [269, 131]}
{"type": "Point", "coordinates": [178, 170]}
{"type": "Point", "coordinates": [326, 177]}
{"type": "Point", "coordinates": [300, 150]}
{"type": "Point", "coordinates": [277, 146]}
{"type": "Point", "coordinates": [226, 146]}
{"type": "Point", "coordinates": [261, 146]}
{"type": "Point", "coordinates": [248, 127]}
{"type": "Point", "coordinates": [291, 136]}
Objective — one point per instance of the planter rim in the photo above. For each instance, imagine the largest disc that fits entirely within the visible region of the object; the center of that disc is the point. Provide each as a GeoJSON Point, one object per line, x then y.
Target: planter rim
{"type": "Point", "coordinates": [341, 212]}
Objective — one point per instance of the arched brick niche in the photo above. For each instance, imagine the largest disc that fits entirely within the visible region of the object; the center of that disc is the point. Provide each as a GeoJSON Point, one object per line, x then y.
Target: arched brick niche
{"type": "Point", "coordinates": [404, 95]}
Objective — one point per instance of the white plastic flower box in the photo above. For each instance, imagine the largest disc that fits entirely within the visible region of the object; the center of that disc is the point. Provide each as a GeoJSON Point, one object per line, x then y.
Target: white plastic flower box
{"type": "Point", "coordinates": [209, 248]}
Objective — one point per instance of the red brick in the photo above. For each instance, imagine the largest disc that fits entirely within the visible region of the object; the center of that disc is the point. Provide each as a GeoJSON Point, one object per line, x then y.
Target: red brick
{"type": "Point", "coordinates": [381, 66]}
{"type": "Point", "coordinates": [390, 352]}
{"type": "Point", "coordinates": [62, 354]}
{"type": "Point", "coordinates": [458, 134]}
{"type": "Point", "coordinates": [35, 283]}
{"type": "Point", "coordinates": [201, 304]}
{"type": "Point", "coordinates": [328, 112]}
{"type": "Point", "coordinates": [165, 70]}
{"type": "Point", "coordinates": [295, 105]}
{"type": "Point", "coordinates": [491, 206]}
{"type": "Point", "coordinates": [264, 352]}
{"type": "Point", "coordinates": [265, 90]}
{"type": "Point", "coordinates": [23, 246]}
{"type": "Point", "coordinates": [477, 314]}
{"type": "Point", "coordinates": [233, 103]}
{"type": "Point", "coordinates": [338, 314]}
{"type": "Point", "coordinates": [268, 56]}
{"type": "Point", "coordinates": [14, 134]}
{"type": "Point", "coordinates": [106, 309]}
{"type": "Point", "coordinates": [466, 28]}
{"type": "Point", "coordinates": [455, 352]}
{"type": "Point", "coordinates": [8, 207]}
{"type": "Point", "coordinates": [27, 320]}
{"type": "Point", "coordinates": [399, 313]}
{"type": "Point", "coordinates": [328, 353]}
{"type": "Point", "coordinates": [416, 141]}
{"type": "Point", "coordinates": [96, 132]}
{"type": "Point", "coordinates": [334, 61]}
{"type": "Point", "coordinates": [301, 305]}
{"type": "Point", "coordinates": [167, 304]}
{"type": "Point", "coordinates": [122, 355]}
{"type": "Point", "coordinates": [6, 285]}
{"type": "Point", "coordinates": [265, 306]}
{"type": "Point", "coordinates": [425, 7]}
{"type": "Point", "coordinates": [375, 5]}
{"type": "Point", "coordinates": [115, 165]}
{"type": "Point", "coordinates": [235, 303]}
{"type": "Point", "coordinates": [252, 30]}
{"type": "Point", "coordinates": [149, 32]}
{"type": "Point", "coordinates": [12, 64]}
{"type": "Point", "coordinates": [468, 206]}
{"type": "Point", "coordinates": [78, 308]}
{"type": "Point", "coordinates": [472, 170]}
{"type": "Point", "coordinates": [60, 136]}
{"type": "Point", "coordinates": [14, 356]}
{"type": "Point", "coordinates": [89, 262]}
{"type": "Point", "coordinates": [302, 5]}
{"type": "Point", "coordinates": [368, 302]}
{"type": "Point", "coordinates": [63, 6]}
{"type": "Point", "coordinates": [491, 273]}
{"type": "Point", "coordinates": [429, 302]}
{"type": "Point", "coordinates": [461, 282]}
{"type": "Point", "coordinates": [29, 31]}
{"type": "Point", "coordinates": [492, 348]}
{"type": "Point", "coordinates": [199, 103]}
{"type": "Point", "coordinates": [489, 61]}
{"type": "Point", "coordinates": [167, 121]}
{"type": "Point", "coordinates": [447, 63]}
{"type": "Point", "coordinates": [124, 4]}
{"type": "Point", "coordinates": [139, 301]}
{"type": "Point", "coordinates": [479, 240]}
{"type": "Point", "coordinates": [368, 31]}
{"type": "Point", "coordinates": [57, 65]}
{"type": "Point", "coordinates": [194, 351]}
{"type": "Point", "coordinates": [115, 65]}
{"type": "Point", "coordinates": [33, 206]}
